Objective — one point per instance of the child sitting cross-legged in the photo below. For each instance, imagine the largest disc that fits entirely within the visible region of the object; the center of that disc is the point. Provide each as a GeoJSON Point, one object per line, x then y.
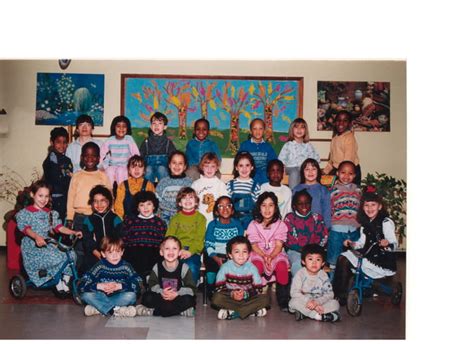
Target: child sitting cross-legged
{"type": "Point", "coordinates": [238, 284]}
{"type": "Point", "coordinates": [111, 286]}
{"type": "Point", "coordinates": [172, 289]}
{"type": "Point", "coordinates": [311, 289]}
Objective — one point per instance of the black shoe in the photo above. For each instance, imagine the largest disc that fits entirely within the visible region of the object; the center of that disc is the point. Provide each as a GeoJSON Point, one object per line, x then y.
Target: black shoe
{"type": "Point", "coordinates": [284, 308]}
{"type": "Point", "coordinates": [299, 316]}
{"type": "Point", "coordinates": [330, 317]}
{"type": "Point", "coordinates": [342, 301]}
{"type": "Point", "coordinates": [61, 294]}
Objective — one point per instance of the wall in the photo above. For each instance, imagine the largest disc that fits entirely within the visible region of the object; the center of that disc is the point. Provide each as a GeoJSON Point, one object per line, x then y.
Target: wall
{"type": "Point", "coordinates": [24, 146]}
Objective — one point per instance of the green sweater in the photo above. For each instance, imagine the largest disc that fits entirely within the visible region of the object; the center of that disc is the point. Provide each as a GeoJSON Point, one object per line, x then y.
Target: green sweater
{"type": "Point", "coordinates": [190, 229]}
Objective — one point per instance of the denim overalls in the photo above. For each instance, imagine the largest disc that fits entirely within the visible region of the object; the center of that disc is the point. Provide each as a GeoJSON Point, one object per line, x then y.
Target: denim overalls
{"type": "Point", "coordinates": [243, 204]}
{"type": "Point", "coordinates": [128, 200]}
{"type": "Point", "coordinates": [156, 164]}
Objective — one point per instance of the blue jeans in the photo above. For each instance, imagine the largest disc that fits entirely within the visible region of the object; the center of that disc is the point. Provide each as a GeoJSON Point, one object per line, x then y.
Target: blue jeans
{"type": "Point", "coordinates": [295, 261]}
{"type": "Point", "coordinates": [194, 263]}
{"type": "Point", "coordinates": [156, 167]}
{"type": "Point", "coordinates": [293, 176]}
{"type": "Point", "coordinates": [105, 304]}
{"type": "Point", "coordinates": [337, 235]}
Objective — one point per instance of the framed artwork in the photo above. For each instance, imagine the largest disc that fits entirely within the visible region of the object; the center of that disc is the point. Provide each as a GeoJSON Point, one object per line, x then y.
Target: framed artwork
{"type": "Point", "coordinates": [229, 103]}
{"type": "Point", "coordinates": [62, 97]}
{"type": "Point", "coordinates": [367, 102]}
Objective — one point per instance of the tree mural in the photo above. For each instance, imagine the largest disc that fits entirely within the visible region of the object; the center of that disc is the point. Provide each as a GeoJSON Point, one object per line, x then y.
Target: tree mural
{"type": "Point", "coordinates": [151, 101]}
{"type": "Point", "coordinates": [179, 95]}
{"type": "Point", "coordinates": [203, 95]}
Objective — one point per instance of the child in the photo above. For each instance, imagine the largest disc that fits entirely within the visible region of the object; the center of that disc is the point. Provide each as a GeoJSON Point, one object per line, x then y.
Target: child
{"type": "Point", "coordinates": [377, 244]}
{"type": "Point", "coordinates": [119, 147]}
{"type": "Point", "coordinates": [143, 233]}
{"type": "Point", "coordinates": [83, 134]}
{"type": "Point", "coordinates": [267, 234]}
{"type": "Point", "coordinates": [345, 203]}
{"type": "Point", "coordinates": [304, 227]}
{"type": "Point", "coordinates": [238, 284]}
{"type": "Point", "coordinates": [296, 150]}
{"type": "Point", "coordinates": [198, 146]}
{"type": "Point", "coordinates": [243, 190]}
{"type": "Point", "coordinates": [189, 226]}
{"type": "Point", "coordinates": [82, 182]}
{"type": "Point", "coordinates": [311, 290]}
{"type": "Point", "coordinates": [103, 222]}
{"type": "Point", "coordinates": [343, 146]}
{"type": "Point", "coordinates": [156, 148]}
{"type": "Point", "coordinates": [57, 168]}
{"type": "Point", "coordinates": [111, 286]}
{"type": "Point", "coordinates": [275, 175]}
{"type": "Point", "coordinates": [262, 152]}
{"type": "Point", "coordinates": [135, 182]}
{"type": "Point", "coordinates": [171, 287]}
{"type": "Point", "coordinates": [218, 233]}
{"type": "Point", "coordinates": [310, 175]}
{"type": "Point", "coordinates": [209, 187]}
{"type": "Point", "coordinates": [36, 222]}
{"type": "Point", "coordinates": [168, 187]}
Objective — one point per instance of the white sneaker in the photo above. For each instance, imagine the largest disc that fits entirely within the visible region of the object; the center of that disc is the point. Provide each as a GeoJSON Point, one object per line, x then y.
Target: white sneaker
{"type": "Point", "coordinates": [261, 312]}
{"type": "Point", "coordinates": [144, 311]}
{"type": "Point", "coordinates": [188, 312]}
{"type": "Point", "coordinates": [90, 311]}
{"type": "Point", "coordinates": [125, 311]}
{"type": "Point", "coordinates": [222, 314]}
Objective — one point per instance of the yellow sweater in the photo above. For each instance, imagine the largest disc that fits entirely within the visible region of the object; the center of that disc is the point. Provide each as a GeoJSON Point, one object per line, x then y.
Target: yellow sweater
{"type": "Point", "coordinates": [135, 185]}
{"type": "Point", "coordinates": [343, 147]}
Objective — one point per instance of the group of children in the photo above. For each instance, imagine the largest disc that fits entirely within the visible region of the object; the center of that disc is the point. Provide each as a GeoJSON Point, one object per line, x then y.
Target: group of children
{"type": "Point", "coordinates": [159, 209]}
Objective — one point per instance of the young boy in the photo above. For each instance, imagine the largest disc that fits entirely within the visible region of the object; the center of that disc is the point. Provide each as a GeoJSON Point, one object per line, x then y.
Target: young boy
{"type": "Point", "coordinates": [172, 289]}
{"type": "Point", "coordinates": [311, 290]}
{"type": "Point", "coordinates": [111, 286]}
{"type": "Point", "coordinates": [57, 168]}
{"type": "Point", "coordinates": [156, 148]}
{"type": "Point", "coordinates": [275, 170]}
{"type": "Point", "coordinates": [238, 284]}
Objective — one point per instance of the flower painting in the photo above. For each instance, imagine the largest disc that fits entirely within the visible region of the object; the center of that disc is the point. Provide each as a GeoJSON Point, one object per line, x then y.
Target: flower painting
{"type": "Point", "coordinates": [61, 98]}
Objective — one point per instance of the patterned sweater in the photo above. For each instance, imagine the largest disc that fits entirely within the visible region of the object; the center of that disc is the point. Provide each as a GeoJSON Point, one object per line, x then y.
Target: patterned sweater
{"type": "Point", "coordinates": [303, 230]}
{"type": "Point", "coordinates": [218, 234]}
{"type": "Point", "coordinates": [140, 232]}
{"type": "Point", "coordinates": [345, 203]}
{"type": "Point", "coordinates": [166, 192]}
{"type": "Point", "coordinates": [232, 277]}
{"type": "Point", "coordinates": [120, 150]}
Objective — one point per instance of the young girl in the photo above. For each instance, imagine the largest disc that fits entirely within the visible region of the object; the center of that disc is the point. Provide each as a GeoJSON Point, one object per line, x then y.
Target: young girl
{"type": "Point", "coordinates": [267, 234]}
{"type": "Point", "coordinates": [377, 244]}
{"type": "Point", "coordinates": [189, 226]}
{"type": "Point", "coordinates": [103, 222]}
{"type": "Point", "coordinates": [343, 146]}
{"type": "Point", "coordinates": [219, 232]}
{"type": "Point", "coordinates": [209, 187]}
{"type": "Point", "coordinates": [198, 146]}
{"type": "Point", "coordinates": [168, 187]}
{"type": "Point", "coordinates": [304, 227]}
{"type": "Point", "coordinates": [262, 152]}
{"type": "Point", "coordinates": [135, 182]}
{"type": "Point", "coordinates": [296, 150]}
{"type": "Point", "coordinates": [36, 222]}
{"type": "Point", "coordinates": [119, 147]}
{"type": "Point", "coordinates": [275, 175]}
{"type": "Point", "coordinates": [82, 134]}
{"type": "Point", "coordinates": [143, 233]}
{"type": "Point", "coordinates": [171, 287]}
{"type": "Point", "coordinates": [243, 190]}
{"type": "Point", "coordinates": [310, 180]}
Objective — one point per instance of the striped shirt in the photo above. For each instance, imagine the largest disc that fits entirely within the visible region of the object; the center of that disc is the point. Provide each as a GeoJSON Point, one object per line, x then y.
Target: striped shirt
{"type": "Point", "coordinates": [243, 187]}
{"type": "Point", "coordinates": [119, 150]}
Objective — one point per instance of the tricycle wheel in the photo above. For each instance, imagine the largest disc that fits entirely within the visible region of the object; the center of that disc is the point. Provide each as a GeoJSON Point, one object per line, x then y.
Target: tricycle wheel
{"type": "Point", "coordinates": [354, 305]}
{"type": "Point", "coordinates": [397, 294]}
{"type": "Point", "coordinates": [18, 287]}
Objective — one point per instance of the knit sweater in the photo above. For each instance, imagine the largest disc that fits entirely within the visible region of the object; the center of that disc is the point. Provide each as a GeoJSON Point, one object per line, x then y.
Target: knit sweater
{"type": "Point", "coordinates": [208, 190]}
{"type": "Point", "coordinates": [195, 149]}
{"type": "Point", "coordinates": [218, 234]}
{"type": "Point", "coordinates": [262, 153]}
{"type": "Point", "coordinates": [311, 287]}
{"type": "Point", "coordinates": [140, 232]}
{"type": "Point", "coordinates": [156, 145]}
{"type": "Point", "coordinates": [321, 203]}
{"type": "Point", "coordinates": [120, 150]}
{"type": "Point", "coordinates": [232, 277]}
{"type": "Point", "coordinates": [135, 185]}
{"type": "Point", "coordinates": [190, 229]}
{"type": "Point", "coordinates": [343, 147]}
{"type": "Point", "coordinates": [293, 154]}
{"type": "Point", "coordinates": [303, 230]}
{"type": "Point", "coordinates": [345, 203]}
{"type": "Point", "coordinates": [166, 192]}
{"type": "Point", "coordinates": [103, 272]}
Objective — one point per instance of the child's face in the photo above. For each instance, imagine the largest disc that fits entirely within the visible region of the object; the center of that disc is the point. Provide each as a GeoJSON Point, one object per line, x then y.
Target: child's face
{"type": "Point", "coordinates": [177, 165]}
{"type": "Point", "coordinates": [113, 255]}
{"type": "Point", "coordinates": [299, 131]}
{"type": "Point", "coordinates": [120, 130]}
{"type": "Point", "coordinates": [303, 205]}
{"type": "Point", "coordinates": [239, 254]}
{"type": "Point", "coordinates": [158, 127]}
{"type": "Point", "coordinates": [346, 173]}
{"type": "Point", "coordinates": [90, 159]}
{"type": "Point", "coordinates": [257, 130]}
{"type": "Point", "coordinates": [40, 198]}
{"type": "Point", "coordinates": [201, 131]}
{"type": "Point", "coordinates": [267, 209]}
{"type": "Point", "coordinates": [209, 169]}
{"type": "Point", "coordinates": [342, 123]}
{"type": "Point", "coordinates": [275, 175]}
{"type": "Point", "coordinates": [146, 208]}
{"type": "Point", "coordinates": [170, 251]}
{"type": "Point", "coordinates": [225, 209]}
{"type": "Point", "coordinates": [313, 263]}
{"type": "Point", "coordinates": [59, 144]}
{"type": "Point", "coordinates": [310, 174]}
{"type": "Point", "coordinates": [371, 209]}
{"type": "Point", "coordinates": [244, 168]}
{"type": "Point", "coordinates": [84, 129]}
{"type": "Point", "coordinates": [100, 203]}
{"type": "Point", "coordinates": [136, 171]}
{"type": "Point", "coordinates": [188, 202]}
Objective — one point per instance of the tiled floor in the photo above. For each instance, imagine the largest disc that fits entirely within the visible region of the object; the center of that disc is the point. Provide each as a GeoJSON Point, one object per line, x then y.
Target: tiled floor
{"type": "Point", "coordinates": [379, 320]}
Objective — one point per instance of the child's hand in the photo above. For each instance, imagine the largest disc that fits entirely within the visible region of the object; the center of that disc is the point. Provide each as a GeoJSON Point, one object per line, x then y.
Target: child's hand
{"type": "Point", "coordinates": [219, 261]}
{"type": "Point", "coordinates": [383, 242]}
{"type": "Point", "coordinates": [184, 254]}
{"type": "Point", "coordinates": [68, 224]}
{"type": "Point", "coordinates": [169, 294]}
{"type": "Point", "coordinates": [312, 304]}
{"type": "Point", "coordinates": [78, 234]}
{"type": "Point", "coordinates": [268, 261]}
{"type": "Point", "coordinates": [114, 286]}
{"type": "Point", "coordinates": [237, 294]}
{"type": "Point", "coordinates": [347, 243]}
{"type": "Point", "coordinates": [319, 309]}
{"type": "Point", "coordinates": [39, 240]}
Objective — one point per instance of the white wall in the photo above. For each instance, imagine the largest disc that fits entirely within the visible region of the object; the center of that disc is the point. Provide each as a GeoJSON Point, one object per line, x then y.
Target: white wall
{"type": "Point", "coordinates": [24, 146]}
